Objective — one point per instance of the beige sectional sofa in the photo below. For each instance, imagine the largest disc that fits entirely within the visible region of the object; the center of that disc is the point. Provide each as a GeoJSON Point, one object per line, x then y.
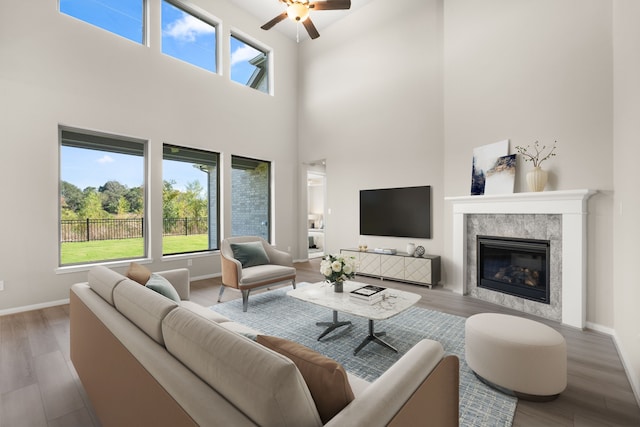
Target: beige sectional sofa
{"type": "Point", "coordinates": [146, 360]}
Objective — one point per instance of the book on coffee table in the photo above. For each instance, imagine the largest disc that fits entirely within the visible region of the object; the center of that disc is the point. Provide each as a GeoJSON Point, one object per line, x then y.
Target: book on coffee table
{"type": "Point", "coordinates": [368, 293]}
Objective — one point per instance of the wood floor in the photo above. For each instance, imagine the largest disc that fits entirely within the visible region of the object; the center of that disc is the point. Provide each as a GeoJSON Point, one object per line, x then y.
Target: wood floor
{"type": "Point", "coordinates": [39, 387]}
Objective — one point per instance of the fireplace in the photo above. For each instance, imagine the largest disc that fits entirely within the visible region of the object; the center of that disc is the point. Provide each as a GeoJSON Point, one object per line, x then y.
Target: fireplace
{"type": "Point", "coordinates": [515, 266]}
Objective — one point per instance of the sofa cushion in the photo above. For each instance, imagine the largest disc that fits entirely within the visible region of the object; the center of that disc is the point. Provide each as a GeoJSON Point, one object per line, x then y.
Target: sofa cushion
{"type": "Point", "coordinates": [144, 307]}
{"type": "Point", "coordinates": [250, 253]}
{"type": "Point", "coordinates": [138, 273]}
{"type": "Point", "coordinates": [103, 281]}
{"type": "Point", "coordinates": [263, 273]}
{"type": "Point", "coordinates": [162, 286]}
{"type": "Point", "coordinates": [264, 385]}
{"type": "Point", "coordinates": [327, 380]}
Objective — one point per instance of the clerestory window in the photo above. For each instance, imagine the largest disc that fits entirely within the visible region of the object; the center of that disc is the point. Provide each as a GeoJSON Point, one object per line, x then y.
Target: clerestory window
{"type": "Point", "coordinates": [188, 36]}
{"type": "Point", "coordinates": [122, 17]}
{"type": "Point", "coordinates": [249, 64]}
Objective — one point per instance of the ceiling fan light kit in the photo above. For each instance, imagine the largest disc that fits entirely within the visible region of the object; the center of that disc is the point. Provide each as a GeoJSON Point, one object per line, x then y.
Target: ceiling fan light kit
{"type": "Point", "coordinates": [298, 11]}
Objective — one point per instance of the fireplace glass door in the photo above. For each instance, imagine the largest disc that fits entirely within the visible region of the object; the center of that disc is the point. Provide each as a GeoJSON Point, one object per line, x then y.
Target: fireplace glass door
{"type": "Point", "coordinates": [513, 266]}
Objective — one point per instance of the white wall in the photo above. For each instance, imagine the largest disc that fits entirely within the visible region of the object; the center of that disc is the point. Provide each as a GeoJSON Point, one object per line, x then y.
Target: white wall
{"type": "Point", "coordinates": [57, 70]}
{"type": "Point", "coordinates": [627, 199]}
{"type": "Point", "coordinates": [371, 105]}
{"type": "Point", "coordinates": [536, 70]}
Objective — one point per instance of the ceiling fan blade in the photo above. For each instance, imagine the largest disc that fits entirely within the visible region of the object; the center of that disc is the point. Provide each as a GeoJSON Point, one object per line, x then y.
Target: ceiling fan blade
{"type": "Point", "coordinates": [330, 5]}
{"type": "Point", "coordinates": [311, 29]}
{"type": "Point", "coordinates": [274, 21]}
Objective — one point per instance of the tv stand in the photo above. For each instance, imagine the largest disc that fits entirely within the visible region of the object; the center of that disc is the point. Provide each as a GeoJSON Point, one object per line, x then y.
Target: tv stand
{"type": "Point", "coordinates": [401, 266]}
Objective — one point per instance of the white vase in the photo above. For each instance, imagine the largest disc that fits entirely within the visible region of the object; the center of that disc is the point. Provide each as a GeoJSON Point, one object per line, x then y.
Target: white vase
{"type": "Point", "coordinates": [536, 179]}
{"type": "Point", "coordinates": [411, 248]}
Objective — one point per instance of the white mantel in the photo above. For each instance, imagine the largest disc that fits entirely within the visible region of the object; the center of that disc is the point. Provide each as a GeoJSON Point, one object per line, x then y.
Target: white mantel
{"type": "Point", "coordinates": [571, 204]}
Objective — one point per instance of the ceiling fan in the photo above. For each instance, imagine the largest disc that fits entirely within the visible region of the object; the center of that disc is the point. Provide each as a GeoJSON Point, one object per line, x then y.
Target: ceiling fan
{"type": "Point", "coordinates": [298, 10]}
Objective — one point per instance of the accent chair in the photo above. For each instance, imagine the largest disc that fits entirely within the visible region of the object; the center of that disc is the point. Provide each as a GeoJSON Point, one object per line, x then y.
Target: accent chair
{"type": "Point", "coordinates": [250, 262]}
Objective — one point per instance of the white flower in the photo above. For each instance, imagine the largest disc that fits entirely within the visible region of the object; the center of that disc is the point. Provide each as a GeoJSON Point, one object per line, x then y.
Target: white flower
{"type": "Point", "coordinates": [336, 266]}
{"type": "Point", "coordinates": [348, 269]}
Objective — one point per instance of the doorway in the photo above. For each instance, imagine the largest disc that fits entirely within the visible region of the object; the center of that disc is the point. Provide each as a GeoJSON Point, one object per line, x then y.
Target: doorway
{"type": "Point", "coordinates": [316, 194]}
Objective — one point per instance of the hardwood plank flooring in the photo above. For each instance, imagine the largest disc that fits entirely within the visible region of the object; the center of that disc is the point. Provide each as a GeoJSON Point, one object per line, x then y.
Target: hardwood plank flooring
{"type": "Point", "coordinates": [39, 387]}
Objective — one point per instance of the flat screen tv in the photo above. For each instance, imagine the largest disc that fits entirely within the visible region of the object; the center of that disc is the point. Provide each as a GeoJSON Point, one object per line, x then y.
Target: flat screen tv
{"type": "Point", "coordinates": [397, 212]}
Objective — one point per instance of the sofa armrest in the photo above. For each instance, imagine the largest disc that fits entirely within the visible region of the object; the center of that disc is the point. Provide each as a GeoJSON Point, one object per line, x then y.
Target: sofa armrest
{"type": "Point", "coordinates": [231, 271]}
{"type": "Point", "coordinates": [179, 278]}
{"type": "Point", "coordinates": [403, 387]}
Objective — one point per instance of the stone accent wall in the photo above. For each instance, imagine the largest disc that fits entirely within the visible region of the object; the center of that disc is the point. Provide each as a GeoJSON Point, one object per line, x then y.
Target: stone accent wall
{"type": "Point", "coordinates": [525, 226]}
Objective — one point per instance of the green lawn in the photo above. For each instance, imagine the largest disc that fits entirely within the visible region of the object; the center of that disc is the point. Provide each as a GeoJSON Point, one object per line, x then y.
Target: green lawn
{"type": "Point", "coordinates": [103, 250]}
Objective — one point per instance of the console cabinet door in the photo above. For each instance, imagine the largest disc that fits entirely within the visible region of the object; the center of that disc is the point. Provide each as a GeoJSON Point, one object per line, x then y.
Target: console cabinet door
{"type": "Point", "coordinates": [369, 264]}
{"type": "Point", "coordinates": [418, 270]}
{"type": "Point", "coordinates": [392, 266]}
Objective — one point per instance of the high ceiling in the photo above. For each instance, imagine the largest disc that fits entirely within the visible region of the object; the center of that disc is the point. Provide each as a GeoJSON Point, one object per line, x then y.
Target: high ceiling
{"type": "Point", "coordinates": [265, 10]}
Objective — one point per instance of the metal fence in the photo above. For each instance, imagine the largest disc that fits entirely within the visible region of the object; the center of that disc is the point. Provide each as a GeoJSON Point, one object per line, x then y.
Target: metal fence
{"type": "Point", "coordinates": [131, 228]}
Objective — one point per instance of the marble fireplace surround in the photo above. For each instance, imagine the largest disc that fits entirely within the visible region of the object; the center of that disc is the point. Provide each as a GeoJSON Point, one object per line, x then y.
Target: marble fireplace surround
{"type": "Point", "coordinates": [570, 204]}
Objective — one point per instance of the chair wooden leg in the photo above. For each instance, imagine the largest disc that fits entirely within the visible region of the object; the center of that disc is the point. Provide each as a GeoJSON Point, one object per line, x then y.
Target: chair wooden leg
{"type": "Point", "coordinates": [245, 299]}
{"type": "Point", "coordinates": [222, 287]}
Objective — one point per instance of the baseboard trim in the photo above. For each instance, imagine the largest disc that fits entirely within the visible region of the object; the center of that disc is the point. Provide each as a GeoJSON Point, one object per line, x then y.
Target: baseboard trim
{"type": "Point", "coordinates": [634, 378]}
{"type": "Point", "coordinates": [205, 276]}
{"type": "Point", "coordinates": [32, 307]}
{"type": "Point", "coordinates": [599, 328]}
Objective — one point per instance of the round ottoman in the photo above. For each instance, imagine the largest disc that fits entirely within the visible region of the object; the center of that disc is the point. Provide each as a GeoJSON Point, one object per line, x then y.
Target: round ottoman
{"type": "Point", "coordinates": [517, 356]}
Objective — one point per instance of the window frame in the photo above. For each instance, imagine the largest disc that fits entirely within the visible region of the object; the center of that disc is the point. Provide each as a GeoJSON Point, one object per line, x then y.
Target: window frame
{"type": "Point", "coordinates": [105, 136]}
{"type": "Point", "coordinates": [212, 247]}
{"type": "Point", "coordinates": [145, 23]}
{"type": "Point", "coordinates": [269, 196]}
{"type": "Point", "coordinates": [203, 16]}
{"type": "Point", "coordinates": [261, 47]}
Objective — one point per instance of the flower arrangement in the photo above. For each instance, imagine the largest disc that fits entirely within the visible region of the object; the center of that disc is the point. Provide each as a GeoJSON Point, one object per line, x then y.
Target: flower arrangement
{"type": "Point", "coordinates": [539, 155]}
{"type": "Point", "coordinates": [338, 268]}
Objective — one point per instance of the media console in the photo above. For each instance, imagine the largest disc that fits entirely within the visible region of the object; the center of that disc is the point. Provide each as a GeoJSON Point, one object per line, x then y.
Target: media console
{"type": "Point", "coordinates": [399, 266]}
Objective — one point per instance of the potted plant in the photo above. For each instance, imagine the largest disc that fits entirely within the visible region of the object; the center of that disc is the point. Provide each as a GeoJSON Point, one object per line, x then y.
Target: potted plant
{"type": "Point", "coordinates": [537, 177]}
{"type": "Point", "coordinates": [338, 268]}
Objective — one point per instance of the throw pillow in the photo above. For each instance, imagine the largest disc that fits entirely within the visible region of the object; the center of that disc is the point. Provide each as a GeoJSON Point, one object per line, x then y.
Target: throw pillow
{"type": "Point", "coordinates": [138, 273]}
{"type": "Point", "coordinates": [163, 287]}
{"type": "Point", "coordinates": [326, 379]}
{"type": "Point", "coordinates": [250, 253]}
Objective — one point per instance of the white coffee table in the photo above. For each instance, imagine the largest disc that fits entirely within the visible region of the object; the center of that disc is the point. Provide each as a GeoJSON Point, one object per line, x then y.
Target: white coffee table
{"type": "Point", "coordinates": [322, 294]}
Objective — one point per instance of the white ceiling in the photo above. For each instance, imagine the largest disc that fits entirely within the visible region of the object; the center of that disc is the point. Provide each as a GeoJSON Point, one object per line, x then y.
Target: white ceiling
{"type": "Point", "coordinates": [265, 10]}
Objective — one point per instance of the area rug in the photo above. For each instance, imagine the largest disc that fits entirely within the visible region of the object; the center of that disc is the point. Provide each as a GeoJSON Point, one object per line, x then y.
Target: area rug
{"type": "Point", "coordinates": [275, 313]}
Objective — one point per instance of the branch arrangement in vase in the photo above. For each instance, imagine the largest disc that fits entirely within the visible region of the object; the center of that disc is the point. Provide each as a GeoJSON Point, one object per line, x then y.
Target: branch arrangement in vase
{"type": "Point", "coordinates": [539, 156]}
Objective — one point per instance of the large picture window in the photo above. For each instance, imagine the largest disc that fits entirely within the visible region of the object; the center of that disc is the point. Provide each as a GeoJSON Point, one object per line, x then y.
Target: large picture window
{"type": "Point", "coordinates": [102, 209]}
{"type": "Point", "coordinates": [189, 200]}
{"type": "Point", "coordinates": [250, 197]}
{"type": "Point", "coordinates": [249, 65]}
{"type": "Point", "coordinates": [122, 17]}
{"type": "Point", "coordinates": [188, 37]}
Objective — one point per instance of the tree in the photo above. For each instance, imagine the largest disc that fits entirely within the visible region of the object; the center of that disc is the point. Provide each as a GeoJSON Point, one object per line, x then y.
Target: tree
{"type": "Point", "coordinates": [169, 200]}
{"type": "Point", "coordinates": [92, 206]}
{"type": "Point", "coordinates": [123, 207]}
{"type": "Point", "coordinates": [71, 196]}
{"type": "Point", "coordinates": [111, 192]}
{"type": "Point", "coordinates": [135, 197]}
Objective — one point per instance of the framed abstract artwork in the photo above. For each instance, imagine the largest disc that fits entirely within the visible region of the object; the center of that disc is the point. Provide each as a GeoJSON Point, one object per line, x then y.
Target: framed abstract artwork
{"type": "Point", "coordinates": [485, 158]}
{"type": "Point", "coordinates": [501, 178]}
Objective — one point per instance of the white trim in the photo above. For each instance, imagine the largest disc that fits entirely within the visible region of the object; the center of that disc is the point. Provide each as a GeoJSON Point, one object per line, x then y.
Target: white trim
{"type": "Point", "coordinates": [634, 377]}
{"type": "Point", "coordinates": [571, 204]}
{"type": "Point", "coordinates": [40, 306]}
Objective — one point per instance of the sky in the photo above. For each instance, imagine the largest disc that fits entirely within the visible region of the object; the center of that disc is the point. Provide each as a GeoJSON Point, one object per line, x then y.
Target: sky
{"type": "Point", "coordinates": [91, 168]}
